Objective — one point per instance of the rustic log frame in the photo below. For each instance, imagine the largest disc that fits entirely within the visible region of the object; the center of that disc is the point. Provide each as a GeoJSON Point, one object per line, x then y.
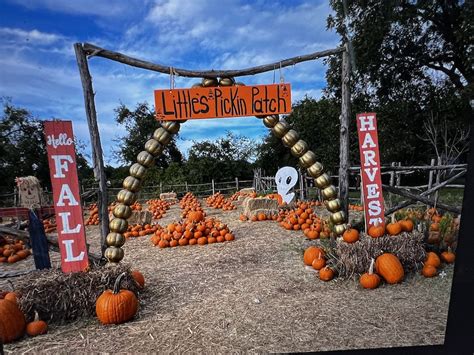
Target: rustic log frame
{"type": "Point", "coordinates": [86, 50]}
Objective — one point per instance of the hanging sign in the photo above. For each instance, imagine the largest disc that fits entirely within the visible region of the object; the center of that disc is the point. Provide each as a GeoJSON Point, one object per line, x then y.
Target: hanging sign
{"type": "Point", "coordinates": [285, 179]}
{"type": "Point", "coordinates": [370, 169]}
{"type": "Point", "coordinates": [67, 204]}
{"type": "Point", "coordinates": [225, 101]}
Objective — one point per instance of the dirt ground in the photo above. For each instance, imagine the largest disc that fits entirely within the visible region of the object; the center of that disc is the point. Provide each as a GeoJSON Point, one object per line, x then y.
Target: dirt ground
{"type": "Point", "coordinates": [254, 295]}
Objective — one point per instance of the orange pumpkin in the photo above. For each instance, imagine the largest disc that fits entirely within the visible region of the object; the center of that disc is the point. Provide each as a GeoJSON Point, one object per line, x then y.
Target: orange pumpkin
{"type": "Point", "coordinates": [429, 271]}
{"type": "Point", "coordinates": [116, 306]}
{"type": "Point", "coordinates": [318, 263]}
{"type": "Point", "coordinates": [407, 225]}
{"type": "Point", "coordinates": [370, 280]}
{"type": "Point", "coordinates": [326, 274]}
{"type": "Point", "coordinates": [376, 231]}
{"type": "Point", "coordinates": [448, 256]}
{"type": "Point", "coordinates": [37, 327]}
{"type": "Point", "coordinates": [139, 278]}
{"type": "Point", "coordinates": [390, 268]}
{"type": "Point", "coordinates": [12, 321]}
{"type": "Point", "coordinates": [432, 259]}
{"type": "Point", "coordinates": [312, 253]}
{"type": "Point", "coordinates": [351, 235]}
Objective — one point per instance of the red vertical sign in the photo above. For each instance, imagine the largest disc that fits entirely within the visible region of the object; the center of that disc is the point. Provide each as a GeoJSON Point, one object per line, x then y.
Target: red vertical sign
{"type": "Point", "coordinates": [67, 203]}
{"type": "Point", "coordinates": [370, 169]}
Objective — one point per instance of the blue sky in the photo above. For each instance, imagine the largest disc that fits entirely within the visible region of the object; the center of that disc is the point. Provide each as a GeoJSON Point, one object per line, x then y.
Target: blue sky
{"type": "Point", "coordinates": [38, 68]}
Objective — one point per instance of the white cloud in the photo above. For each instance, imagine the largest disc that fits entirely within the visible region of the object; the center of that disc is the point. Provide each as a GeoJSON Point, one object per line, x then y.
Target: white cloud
{"type": "Point", "coordinates": [34, 36]}
{"type": "Point", "coordinates": [101, 8]}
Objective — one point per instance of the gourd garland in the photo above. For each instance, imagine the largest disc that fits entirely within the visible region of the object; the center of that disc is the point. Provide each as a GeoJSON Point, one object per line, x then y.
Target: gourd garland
{"type": "Point", "coordinates": [116, 306]}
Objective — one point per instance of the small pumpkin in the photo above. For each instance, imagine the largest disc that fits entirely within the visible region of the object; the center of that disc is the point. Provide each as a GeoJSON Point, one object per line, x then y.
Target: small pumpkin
{"type": "Point", "coordinates": [393, 228]}
{"type": "Point", "coordinates": [116, 306]}
{"type": "Point", "coordinates": [376, 231]}
{"type": "Point", "coordinates": [12, 321]}
{"type": "Point", "coordinates": [390, 268]}
{"type": "Point", "coordinates": [429, 270]}
{"type": "Point", "coordinates": [326, 274]}
{"type": "Point", "coordinates": [369, 279]}
{"type": "Point", "coordinates": [318, 263]}
{"type": "Point", "coordinates": [37, 327]}
{"type": "Point", "coordinates": [195, 216]}
{"type": "Point", "coordinates": [351, 235]}
{"type": "Point", "coordinates": [432, 259]}
{"type": "Point", "coordinates": [312, 253]}
{"type": "Point", "coordinates": [407, 225]}
{"type": "Point", "coordinates": [139, 278]}
{"type": "Point", "coordinates": [448, 256]}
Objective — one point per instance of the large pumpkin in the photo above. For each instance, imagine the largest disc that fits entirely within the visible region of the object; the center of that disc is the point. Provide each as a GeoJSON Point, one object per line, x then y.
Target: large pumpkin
{"type": "Point", "coordinates": [117, 306]}
{"type": "Point", "coordinates": [390, 268]}
{"type": "Point", "coordinates": [12, 321]}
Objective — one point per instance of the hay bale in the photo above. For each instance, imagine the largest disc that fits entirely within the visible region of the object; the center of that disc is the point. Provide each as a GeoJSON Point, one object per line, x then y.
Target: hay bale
{"type": "Point", "coordinates": [169, 197]}
{"type": "Point", "coordinates": [252, 206]}
{"type": "Point", "coordinates": [244, 193]}
{"type": "Point", "coordinates": [140, 217]}
{"type": "Point", "coordinates": [350, 259]}
{"type": "Point", "coordinates": [59, 297]}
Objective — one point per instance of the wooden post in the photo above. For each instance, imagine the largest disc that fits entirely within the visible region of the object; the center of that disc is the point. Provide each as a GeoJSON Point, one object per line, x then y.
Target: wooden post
{"type": "Point", "coordinates": [430, 178]}
{"type": "Point", "coordinates": [392, 182]}
{"type": "Point", "coordinates": [344, 133]}
{"type": "Point", "coordinates": [161, 187]}
{"type": "Point", "coordinates": [301, 185]}
{"type": "Point", "coordinates": [213, 187]}
{"type": "Point", "coordinates": [399, 176]}
{"type": "Point", "coordinates": [438, 178]}
{"type": "Point", "coordinates": [186, 184]}
{"type": "Point", "coordinates": [97, 156]}
{"type": "Point", "coordinates": [237, 184]}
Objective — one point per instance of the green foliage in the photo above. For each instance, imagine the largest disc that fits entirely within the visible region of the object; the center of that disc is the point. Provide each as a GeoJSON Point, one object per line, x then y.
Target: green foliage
{"type": "Point", "coordinates": [228, 157]}
{"type": "Point", "coordinates": [140, 124]}
{"type": "Point", "coordinates": [23, 148]}
{"type": "Point", "coordinates": [317, 122]}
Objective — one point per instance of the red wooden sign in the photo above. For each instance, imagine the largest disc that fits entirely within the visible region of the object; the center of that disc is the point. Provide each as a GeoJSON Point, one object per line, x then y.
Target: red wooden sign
{"type": "Point", "coordinates": [370, 169]}
{"type": "Point", "coordinates": [226, 101]}
{"type": "Point", "coordinates": [67, 204]}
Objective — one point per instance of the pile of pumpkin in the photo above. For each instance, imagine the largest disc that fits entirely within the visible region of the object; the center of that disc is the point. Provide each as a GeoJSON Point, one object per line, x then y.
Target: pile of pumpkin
{"type": "Point", "coordinates": [93, 219]}
{"type": "Point", "coordinates": [393, 228]}
{"type": "Point", "coordinates": [303, 218]}
{"type": "Point", "coordinates": [140, 230]}
{"type": "Point", "coordinates": [49, 225]}
{"type": "Point", "coordinates": [194, 230]}
{"type": "Point", "coordinates": [12, 320]}
{"type": "Point", "coordinates": [189, 203]}
{"type": "Point", "coordinates": [12, 251]}
{"type": "Point", "coordinates": [218, 200]}
{"type": "Point", "coordinates": [260, 216]}
{"type": "Point", "coordinates": [356, 208]}
{"type": "Point", "coordinates": [387, 266]}
{"type": "Point", "coordinates": [158, 207]}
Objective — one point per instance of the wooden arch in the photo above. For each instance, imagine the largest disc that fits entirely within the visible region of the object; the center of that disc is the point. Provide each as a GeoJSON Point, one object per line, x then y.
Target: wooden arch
{"type": "Point", "coordinates": [112, 238]}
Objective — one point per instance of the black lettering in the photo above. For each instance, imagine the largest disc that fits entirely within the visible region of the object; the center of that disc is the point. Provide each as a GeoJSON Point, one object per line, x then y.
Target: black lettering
{"type": "Point", "coordinates": [163, 101]}
{"type": "Point", "coordinates": [203, 101]}
{"type": "Point", "coordinates": [233, 100]}
{"type": "Point", "coordinates": [281, 99]}
{"type": "Point", "coordinates": [189, 104]}
{"type": "Point", "coordinates": [194, 101]}
{"type": "Point", "coordinates": [271, 106]}
{"type": "Point", "coordinates": [256, 104]}
{"type": "Point", "coordinates": [217, 95]}
{"type": "Point", "coordinates": [226, 110]}
{"type": "Point", "coordinates": [242, 107]}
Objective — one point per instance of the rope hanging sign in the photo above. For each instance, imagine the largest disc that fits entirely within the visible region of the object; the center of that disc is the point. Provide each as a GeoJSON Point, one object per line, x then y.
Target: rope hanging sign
{"type": "Point", "coordinates": [222, 101]}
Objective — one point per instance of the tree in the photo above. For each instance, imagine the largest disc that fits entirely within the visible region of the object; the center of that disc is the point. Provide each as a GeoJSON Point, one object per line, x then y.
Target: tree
{"type": "Point", "coordinates": [224, 159]}
{"type": "Point", "coordinates": [401, 44]}
{"type": "Point", "coordinates": [317, 122]}
{"type": "Point", "coordinates": [23, 148]}
{"type": "Point", "coordinates": [140, 124]}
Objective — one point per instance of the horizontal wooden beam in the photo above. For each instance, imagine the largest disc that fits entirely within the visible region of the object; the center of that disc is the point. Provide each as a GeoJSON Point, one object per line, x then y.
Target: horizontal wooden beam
{"type": "Point", "coordinates": [92, 50]}
{"type": "Point", "coordinates": [425, 200]}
